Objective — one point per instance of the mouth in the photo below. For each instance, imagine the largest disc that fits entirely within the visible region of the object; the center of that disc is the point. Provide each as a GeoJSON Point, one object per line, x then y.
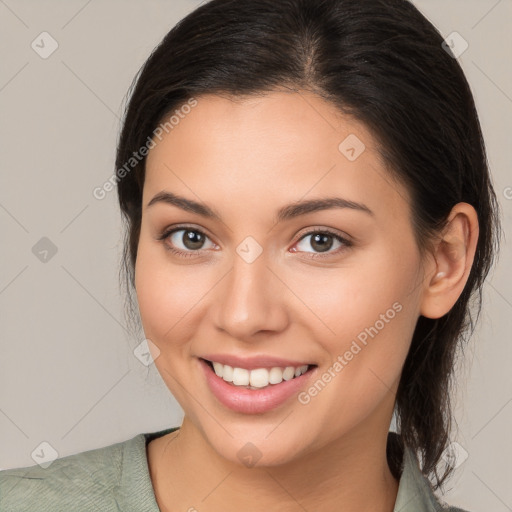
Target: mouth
{"type": "Point", "coordinates": [258, 378]}
{"type": "Point", "coordinates": [275, 387]}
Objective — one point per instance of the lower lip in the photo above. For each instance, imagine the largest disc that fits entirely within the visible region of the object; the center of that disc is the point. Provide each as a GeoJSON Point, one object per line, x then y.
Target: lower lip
{"type": "Point", "coordinates": [253, 401]}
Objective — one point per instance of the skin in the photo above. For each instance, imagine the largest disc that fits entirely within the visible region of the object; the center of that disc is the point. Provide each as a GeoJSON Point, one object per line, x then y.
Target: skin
{"type": "Point", "coordinates": [246, 159]}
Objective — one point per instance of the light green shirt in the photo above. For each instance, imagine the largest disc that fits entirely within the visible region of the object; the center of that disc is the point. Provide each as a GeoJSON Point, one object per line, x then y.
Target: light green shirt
{"type": "Point", "coordinates": [116, 478]}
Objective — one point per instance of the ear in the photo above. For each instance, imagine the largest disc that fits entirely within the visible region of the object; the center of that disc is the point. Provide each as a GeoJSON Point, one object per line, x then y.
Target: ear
{"type": "Point", "coordinates": [453, 259]}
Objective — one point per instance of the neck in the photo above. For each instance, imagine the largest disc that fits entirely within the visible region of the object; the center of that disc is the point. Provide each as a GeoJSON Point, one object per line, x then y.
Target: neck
{"type": "Point", "coordinates": [187, 472]}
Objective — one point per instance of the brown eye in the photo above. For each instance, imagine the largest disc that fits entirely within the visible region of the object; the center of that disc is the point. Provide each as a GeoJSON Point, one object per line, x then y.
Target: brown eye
{"type": "Point", "coordinates": [321, 241]}
{"type": "Point", "coordinates": [185, 241]}
{"type": "Point", "coordinates": [192, 240]}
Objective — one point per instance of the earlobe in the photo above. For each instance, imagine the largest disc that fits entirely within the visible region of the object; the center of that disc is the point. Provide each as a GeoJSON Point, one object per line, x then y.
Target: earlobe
{"type": "Point", "coordinates": [453, 258]}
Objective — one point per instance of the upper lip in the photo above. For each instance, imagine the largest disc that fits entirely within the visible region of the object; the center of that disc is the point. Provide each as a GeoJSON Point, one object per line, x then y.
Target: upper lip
{"type": "Point", "coordinates": [253, 362]}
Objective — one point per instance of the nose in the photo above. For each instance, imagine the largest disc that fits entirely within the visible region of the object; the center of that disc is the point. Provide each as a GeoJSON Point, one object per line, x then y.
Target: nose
{"type": "Point", "coordinates": [251, 299]}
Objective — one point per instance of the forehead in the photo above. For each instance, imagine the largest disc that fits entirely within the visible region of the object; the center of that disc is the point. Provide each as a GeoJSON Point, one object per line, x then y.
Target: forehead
{"type": "Point", "coordinates": [281, 146]}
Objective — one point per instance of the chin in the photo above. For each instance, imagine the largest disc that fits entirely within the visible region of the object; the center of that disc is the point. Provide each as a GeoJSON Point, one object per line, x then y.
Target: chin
{"type": "Point", "coordinates": [258, 450]}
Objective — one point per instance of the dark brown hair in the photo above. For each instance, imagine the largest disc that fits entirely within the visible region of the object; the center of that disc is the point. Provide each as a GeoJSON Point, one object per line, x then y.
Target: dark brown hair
{"type": "Point", "coordinates": [382, 62]}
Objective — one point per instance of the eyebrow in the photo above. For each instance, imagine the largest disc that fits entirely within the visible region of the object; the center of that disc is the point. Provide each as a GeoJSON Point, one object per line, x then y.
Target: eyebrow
{"type": "Point", "coordinates": [287, 212]}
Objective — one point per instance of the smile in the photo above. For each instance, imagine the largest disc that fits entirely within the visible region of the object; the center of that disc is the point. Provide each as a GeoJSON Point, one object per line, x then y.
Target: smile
{"type": "Point", "coordinates": [257, 378]}
{"type": "Point", "coordinates": [238, 394]}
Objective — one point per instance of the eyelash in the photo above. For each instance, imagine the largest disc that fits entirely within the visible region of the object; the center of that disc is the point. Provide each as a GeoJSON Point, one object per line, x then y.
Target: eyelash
{"type": "Point", "coordinates": [187, 254]}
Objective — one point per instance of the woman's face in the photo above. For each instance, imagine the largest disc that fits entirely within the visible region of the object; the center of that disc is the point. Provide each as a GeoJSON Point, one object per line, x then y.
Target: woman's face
{"type": "Point", "coordinates": [253, 283]}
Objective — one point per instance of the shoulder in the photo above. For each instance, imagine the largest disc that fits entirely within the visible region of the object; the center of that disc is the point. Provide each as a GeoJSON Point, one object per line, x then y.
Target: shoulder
{"type": "Point", "coordinates": [419, 486]}
{"type": "Point", "coordinates": [84, 481]}
{"type": "Point", "coordinates": [415, 493]}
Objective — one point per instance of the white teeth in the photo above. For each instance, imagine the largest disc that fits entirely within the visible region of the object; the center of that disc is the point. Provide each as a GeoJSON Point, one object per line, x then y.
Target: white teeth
{"type": "Point", "coordinates": [218, 369]}
{"type": "Point", "coordinates": [257, 378]}
{"type": "Point", "coordinates": [289, 373]}
{"type": "Point", "coordinates": [227, 374]}
{"type": "Point", "coordinates": [275, 375]}
{"type": "Point", "coordinates": [240, 377]}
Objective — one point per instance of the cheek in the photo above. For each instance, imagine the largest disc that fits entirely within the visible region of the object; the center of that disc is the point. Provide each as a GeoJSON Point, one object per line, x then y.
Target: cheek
{"type": "Point", "coordinates": [154, 294]}
{"type": "Point", "coordinates": [166, 293]}
{"type": "Point", "coordinates": [351, 298]}
{"type": "Point", "coordinates": [370, 310]}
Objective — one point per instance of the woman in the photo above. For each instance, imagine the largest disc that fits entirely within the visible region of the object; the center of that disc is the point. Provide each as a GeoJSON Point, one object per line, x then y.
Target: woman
{"type": "Point", "coordinates": [309, 212]}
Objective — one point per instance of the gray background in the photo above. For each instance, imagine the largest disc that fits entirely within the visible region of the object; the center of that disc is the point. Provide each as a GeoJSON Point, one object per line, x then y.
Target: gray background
{"type": "Point", "coordinates": [68, 374]}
